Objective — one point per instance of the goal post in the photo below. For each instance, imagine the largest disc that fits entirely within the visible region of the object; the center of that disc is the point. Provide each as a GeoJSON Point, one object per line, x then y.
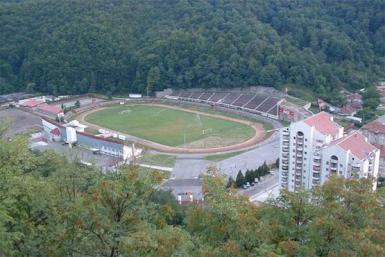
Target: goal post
{"type": "Point", "coordinates": [207, 131]}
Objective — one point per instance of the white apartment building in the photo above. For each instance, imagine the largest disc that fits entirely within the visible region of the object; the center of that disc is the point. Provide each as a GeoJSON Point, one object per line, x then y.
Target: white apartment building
{"type": "Point", "coordinates": [313, 149]}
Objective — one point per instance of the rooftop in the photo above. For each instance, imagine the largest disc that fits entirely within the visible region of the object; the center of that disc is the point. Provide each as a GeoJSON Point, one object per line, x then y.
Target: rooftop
{"type": "Point", "coordinates": [376, 126]}
{"type": "Point", "coordinates": [356, 143]}
{"type": "Point", "coordinates": [324, 123]}
{"type": "Point", "coordinates": [32, 103]}
{"type": "Point", "coordinates": [50, 108]}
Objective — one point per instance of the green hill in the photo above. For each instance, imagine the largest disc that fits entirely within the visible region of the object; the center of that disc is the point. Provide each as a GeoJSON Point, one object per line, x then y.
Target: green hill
{"type": "Point", "coordinates": [73, 46]}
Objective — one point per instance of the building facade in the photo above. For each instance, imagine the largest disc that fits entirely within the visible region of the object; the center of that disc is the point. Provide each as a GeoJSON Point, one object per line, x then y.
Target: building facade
{"type": "Point", "coordinates": [313, 149]}
{"type": "Point", "coordinates": [375, 132]}
{"type": "Point", "coordinates": [53, 131]}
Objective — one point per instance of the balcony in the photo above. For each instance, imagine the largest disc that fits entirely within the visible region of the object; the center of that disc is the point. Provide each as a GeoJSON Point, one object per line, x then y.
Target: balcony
{"type": "Point", "coordinates": [316, 182]}
{"type": "Point", "coordinates": [285, 132]}
{"type": "Point", "coordinates": [285, 167]}
{"type": "Point", "coordinates": [317, 168]}
{"type": "Point", "coordinates": [285, 150]}
{"type": "Point", "coordinates": [300, 136]}
{"type": "Point", "coordinates": [285, 174]}
{"type": "Point", "coordinates": [299, 155]}
{"type": "Point", "coordinates": [317, 164]}
{"type": "Point", "coordinates": [334, 161]}
{"type": "Point", "coordinates": [300, 143]}
{"type": "Point", "coordinates": [299, 148]}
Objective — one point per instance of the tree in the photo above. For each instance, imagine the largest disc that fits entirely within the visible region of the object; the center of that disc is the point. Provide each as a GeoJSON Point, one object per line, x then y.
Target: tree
{"type": "Point", "coordinates": [77, 104]}
{"type": "Point", "coordinates": [240, 180]}
{"type": "Point", "coordinates": [249, 176]}
{"type": "Point", "coordinates": [230, 182]}
{"type": "Point", "coordinates": [153, 77]}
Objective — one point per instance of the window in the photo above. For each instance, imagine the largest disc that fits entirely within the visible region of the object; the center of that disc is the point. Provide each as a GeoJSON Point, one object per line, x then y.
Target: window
{"type": "Point", "coordinates": [327, 163]}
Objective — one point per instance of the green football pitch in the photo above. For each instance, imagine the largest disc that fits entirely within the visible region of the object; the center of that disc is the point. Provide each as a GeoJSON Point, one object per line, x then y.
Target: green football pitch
{"type": "Point", "coordinates": [170, 126]}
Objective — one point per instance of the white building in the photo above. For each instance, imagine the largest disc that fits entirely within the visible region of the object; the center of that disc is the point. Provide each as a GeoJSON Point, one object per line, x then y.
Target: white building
{"type": "Point", "coordinates": [315, 148]}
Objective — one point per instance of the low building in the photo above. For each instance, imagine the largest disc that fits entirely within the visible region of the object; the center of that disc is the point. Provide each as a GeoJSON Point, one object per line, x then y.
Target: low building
{"type": "Point", "coordinates": [30, 103]}
{"type": "Point", "coordinates": [315, 148]}
{"type": "Point", "coordinates": [50, 110]}
{"type": "Point", "coordinates": [375, 132]}
{"type": "Point", "coordinates": [348, 110]}
{"type": "Point", "coordinates": [53, 131]}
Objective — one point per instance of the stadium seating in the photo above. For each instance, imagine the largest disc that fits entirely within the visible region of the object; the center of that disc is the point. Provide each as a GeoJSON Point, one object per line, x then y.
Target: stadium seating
{"type": "Point", "coordinates": [254, 103]}
{"type": "Point", "coordinates": [268, 104]}
{"type": "Point", "coordinates": [230, 98]}
{"type": "Point", "coordinates": [196, 95]}
{"type": "Point", "coordinates": [205, 96]}
{"type": "Point", "coordinates": [217, 97]}
{"type": "Point", "coordinates": [242, 100]}
{"type": "Point", "coordinates": [185, 94]}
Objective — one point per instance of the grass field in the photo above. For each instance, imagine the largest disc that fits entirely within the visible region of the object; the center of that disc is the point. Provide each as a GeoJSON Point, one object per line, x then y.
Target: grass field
{"type": "Point", "coordinates": [158, 159]}
{"type": "Point", "coordinates": [171, 127]}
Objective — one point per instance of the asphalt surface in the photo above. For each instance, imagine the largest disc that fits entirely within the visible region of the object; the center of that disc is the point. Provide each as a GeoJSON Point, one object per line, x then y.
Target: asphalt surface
{"type": "Point", "coordinates": [188, 169]}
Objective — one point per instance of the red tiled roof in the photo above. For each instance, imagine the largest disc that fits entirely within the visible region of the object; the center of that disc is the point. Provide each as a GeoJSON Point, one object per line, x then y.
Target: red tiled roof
{"type": "Point", "coordinates": [381, 148]}
{"type": "Point", "coordinates": [356, 143]}
{"type": "Point", "coordinates": [32, 103]}
{"type": "Point", "coordinates": [348, 109]}
{"type": "Point", "coordinates": [375, 126]}
{"type": "Point", "coordinates": [323, 123]}
{"type": "Point", "coordinates": [55, 132]}
{"type": "Point", "coordinates": [50, 108]}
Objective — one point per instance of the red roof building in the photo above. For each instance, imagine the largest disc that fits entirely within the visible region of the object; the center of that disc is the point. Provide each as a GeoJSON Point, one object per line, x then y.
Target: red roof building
{"type": "Point", "coordinates": [32, 103]}
{"type": "Point", "coordinates": [348, 110]}
{"type": "Point", "coordinates": [55, 132]}
{"type": "Point", "coordinates": [324, 123]}
{"type": "Point", "coordinates": [52, 109]}
{"type": "Point", "coordinates": [356, 144]}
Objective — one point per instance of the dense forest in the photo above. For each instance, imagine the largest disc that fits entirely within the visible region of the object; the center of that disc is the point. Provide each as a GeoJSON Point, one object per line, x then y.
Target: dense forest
{"type": "Point", "coordinates": [50, 207]}
{"type": "Point", "coordinates": [78, 46]}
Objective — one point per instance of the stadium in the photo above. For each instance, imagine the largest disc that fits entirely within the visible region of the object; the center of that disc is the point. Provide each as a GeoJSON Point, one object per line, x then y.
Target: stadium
{"type": "Point", "coordinates": [192, 121]}
{"type": "Point", "coordinates": [174, 129]}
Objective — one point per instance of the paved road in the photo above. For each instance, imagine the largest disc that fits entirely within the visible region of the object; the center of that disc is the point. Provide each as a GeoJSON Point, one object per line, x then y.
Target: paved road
{"type": "Point", "coordinates": [268, 182]}
{"type": "Point", "coordinates": [188, 169]}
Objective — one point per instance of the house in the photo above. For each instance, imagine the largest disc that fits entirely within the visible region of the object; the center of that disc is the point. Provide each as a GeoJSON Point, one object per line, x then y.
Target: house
{"type": "Point", "coordinates": [348, 110]}
{"type": "Point", "coordinates": [375, 132]}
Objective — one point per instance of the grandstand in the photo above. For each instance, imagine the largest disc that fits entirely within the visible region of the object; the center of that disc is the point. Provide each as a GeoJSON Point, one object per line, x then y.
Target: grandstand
{"type": "Point", "coordinates": [256, 103]}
